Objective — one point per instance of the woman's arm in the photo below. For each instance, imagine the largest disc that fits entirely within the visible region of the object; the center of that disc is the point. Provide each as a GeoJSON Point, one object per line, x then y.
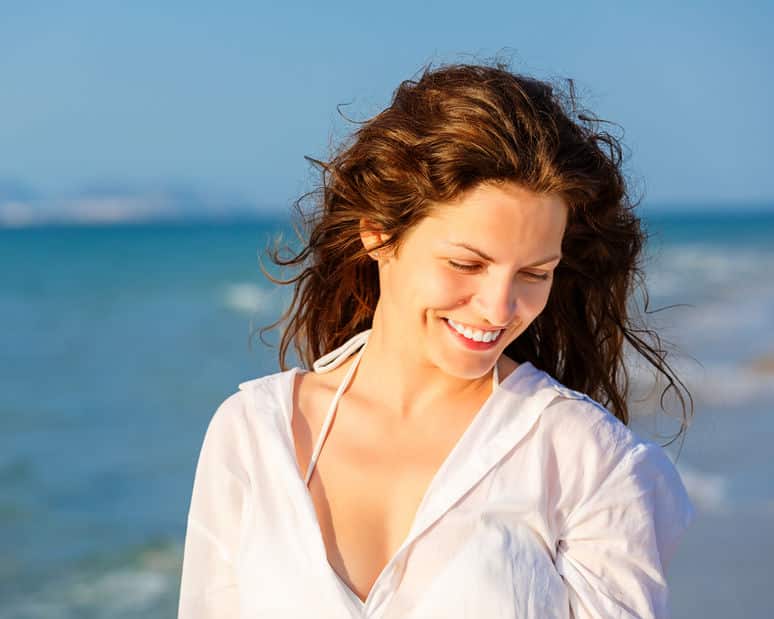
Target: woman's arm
{"type": "Point", "coordinates": [209, 588]}
{"type": "Point", "coordinates": [616, 544]}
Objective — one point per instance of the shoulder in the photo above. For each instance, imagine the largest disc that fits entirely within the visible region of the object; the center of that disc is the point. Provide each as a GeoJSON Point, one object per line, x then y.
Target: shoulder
{"type": "Point", "coordinates": [232, 445]}
{"type": "Point", "coordinates": [579, 424]}
{"type": "Point", "coordinates": [603, 462]}
{"type": "Point", "coordinates": [236, 418]}
{"type": "Point", "coordinates": [591, 443]}
{"type": "Point", "coordinates": [266, 387]}
{"type": "Point", "coordinates": [236, 407]}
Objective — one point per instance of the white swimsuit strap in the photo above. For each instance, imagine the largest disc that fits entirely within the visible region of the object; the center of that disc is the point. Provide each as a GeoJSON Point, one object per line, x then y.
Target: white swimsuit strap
{"type": "Point", "coordinates": [334, 359]}
{"type": "Point", "coordinates": [326, 363]}
{"type": "Point", "coordinates": [338, 355]}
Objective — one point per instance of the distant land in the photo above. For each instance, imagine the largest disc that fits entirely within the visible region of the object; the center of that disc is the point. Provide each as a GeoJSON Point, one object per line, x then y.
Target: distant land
{"type": "Point", "coordinates": [116, 204]}
{"type": "Point", "coordinates": [122, 204]}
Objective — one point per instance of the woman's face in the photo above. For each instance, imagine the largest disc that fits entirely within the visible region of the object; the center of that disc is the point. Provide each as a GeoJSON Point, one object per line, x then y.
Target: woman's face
{"type": "Point", "coordinates": [484, 262]}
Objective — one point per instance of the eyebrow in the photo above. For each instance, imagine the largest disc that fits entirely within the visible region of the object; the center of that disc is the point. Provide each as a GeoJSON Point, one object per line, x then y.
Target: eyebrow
{"type": "Point", "coordinates": [490, 259]}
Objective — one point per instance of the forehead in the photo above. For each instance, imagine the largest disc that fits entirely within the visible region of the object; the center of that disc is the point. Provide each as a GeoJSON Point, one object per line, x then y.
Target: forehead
{"type": "Point", "coordinates": [500, 216]}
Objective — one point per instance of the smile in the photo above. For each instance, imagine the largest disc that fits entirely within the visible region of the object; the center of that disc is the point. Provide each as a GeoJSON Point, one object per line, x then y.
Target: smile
{"type": "Point", "coordinates": [475, 335]}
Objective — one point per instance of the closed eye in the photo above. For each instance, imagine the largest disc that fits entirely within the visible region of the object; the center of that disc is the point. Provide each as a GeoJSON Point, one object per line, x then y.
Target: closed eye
{"type": "Point", "coordinates": [468, 268]}
{"type": "Point", "coordinates": [463, 267]}
{"type": "Point", "coordinates": [538, 277]}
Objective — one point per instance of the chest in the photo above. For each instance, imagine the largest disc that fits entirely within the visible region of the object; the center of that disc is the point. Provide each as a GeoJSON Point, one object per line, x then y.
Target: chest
{"type": "Point", "coordinates": [481, 543]}
{"type": "Point", "coordinates": [369, 481]}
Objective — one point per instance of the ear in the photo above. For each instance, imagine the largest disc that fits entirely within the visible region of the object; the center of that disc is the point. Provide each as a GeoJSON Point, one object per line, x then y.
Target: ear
{"type": "Point", "coordinates": [373, 236]}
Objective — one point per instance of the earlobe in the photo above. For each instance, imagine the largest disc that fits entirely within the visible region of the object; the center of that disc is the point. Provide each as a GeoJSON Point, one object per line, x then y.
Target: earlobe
{"type": "Point", "coordinates": [372, 237]}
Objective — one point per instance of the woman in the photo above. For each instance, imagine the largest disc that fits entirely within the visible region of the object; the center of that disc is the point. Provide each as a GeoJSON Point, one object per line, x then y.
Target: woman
{"type": "Point", "coordinates": [463, 305]}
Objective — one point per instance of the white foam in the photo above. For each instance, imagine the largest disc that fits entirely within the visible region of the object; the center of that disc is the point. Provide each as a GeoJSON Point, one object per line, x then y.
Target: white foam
{"type": "Point", "coordinates": [121, 591]}
{"type": "Point", "coordinates": [708, 491]}
{"type": "Point", "coordinates": [687, 269]}
{"type": "Point", "coordinates": [714, 383]}
{"type": "Point", "coordinates": [247, 298]}
{"type": "Point", "coordinates": [714, 261]}
{"type": "Point", "coordinates": [734, 387]}
{"type": "Point", "coordinates": [145, 585]}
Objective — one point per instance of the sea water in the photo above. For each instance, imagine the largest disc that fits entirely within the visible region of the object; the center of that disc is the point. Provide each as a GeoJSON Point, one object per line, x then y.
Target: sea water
{"type": "Point", "coordinates": [118, 343]}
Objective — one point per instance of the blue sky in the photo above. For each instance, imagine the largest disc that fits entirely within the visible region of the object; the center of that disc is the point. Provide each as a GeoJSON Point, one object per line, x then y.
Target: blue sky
{"type": "Point", "coordinates": [222, 101]}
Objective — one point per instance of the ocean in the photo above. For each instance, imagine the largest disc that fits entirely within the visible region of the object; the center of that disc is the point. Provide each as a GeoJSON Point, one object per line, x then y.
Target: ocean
{"type": "Point", "coordinates": [119, 342]}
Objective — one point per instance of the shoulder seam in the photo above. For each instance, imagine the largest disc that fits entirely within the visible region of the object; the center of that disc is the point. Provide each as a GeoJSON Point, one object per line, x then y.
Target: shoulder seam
{"type": "Point", "coordinates": [566, 391]}
{"type": "Point", "coordinates": [247, 384]}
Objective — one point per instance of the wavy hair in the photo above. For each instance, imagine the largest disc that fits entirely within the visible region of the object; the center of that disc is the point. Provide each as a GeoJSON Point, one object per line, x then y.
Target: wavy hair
{"type": "Point", "coordinates": [454, 127]}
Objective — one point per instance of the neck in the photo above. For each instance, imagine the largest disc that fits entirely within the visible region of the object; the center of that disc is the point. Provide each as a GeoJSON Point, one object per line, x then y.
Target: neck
{"type": "Point", "coordinates": [395, 372]}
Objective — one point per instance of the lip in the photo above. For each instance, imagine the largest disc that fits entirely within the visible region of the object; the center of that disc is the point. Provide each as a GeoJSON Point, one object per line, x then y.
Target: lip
{"type": "Point", "coordinates": [475, 328]}
{"type": "Point", "coordinates": [470, 344]}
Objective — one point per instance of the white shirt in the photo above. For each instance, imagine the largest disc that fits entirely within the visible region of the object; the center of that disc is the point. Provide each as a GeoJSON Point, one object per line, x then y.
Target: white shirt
{"type": "Point", "coordinates": [548, 507]}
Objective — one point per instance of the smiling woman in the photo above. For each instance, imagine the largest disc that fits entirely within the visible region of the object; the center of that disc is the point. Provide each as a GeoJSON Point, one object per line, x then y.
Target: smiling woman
{"type": "Point", "coordinates": [435, 278]}
{"type": "Point", "coordinates": [462, 304]}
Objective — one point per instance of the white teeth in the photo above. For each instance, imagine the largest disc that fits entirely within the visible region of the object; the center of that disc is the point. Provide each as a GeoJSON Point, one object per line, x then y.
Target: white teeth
{"type": "Point", "coordinates": [474, 334]}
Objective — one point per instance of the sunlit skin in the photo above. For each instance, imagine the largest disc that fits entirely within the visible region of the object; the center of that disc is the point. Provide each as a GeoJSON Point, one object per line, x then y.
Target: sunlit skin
{"type": "Point", "coordinates": [417, 389]}
{"type": "Point", "coordinates": [411, 358]}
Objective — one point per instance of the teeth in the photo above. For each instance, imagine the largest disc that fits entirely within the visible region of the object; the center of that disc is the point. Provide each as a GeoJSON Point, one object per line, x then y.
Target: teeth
{"type": "Point", "coordinates": [474, 334]}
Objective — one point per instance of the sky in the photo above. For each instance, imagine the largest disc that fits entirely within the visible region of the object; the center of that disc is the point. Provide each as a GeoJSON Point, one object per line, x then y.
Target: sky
{"type": "Point", "coordinates": [141, 106]}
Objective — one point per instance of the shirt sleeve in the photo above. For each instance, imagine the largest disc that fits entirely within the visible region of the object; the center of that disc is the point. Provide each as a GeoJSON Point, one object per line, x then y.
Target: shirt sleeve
{"type": "Point", "coordinates": [209, 587]}
{"type": "Point", "coordinates": [616, 544]}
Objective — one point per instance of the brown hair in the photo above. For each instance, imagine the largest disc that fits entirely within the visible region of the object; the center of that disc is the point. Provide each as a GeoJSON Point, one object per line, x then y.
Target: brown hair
{"type": "Point", "coordinates": [453, 128]}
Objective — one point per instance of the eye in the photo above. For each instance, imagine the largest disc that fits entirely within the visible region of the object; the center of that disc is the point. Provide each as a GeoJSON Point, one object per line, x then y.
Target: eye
{"type": "Point", "coordinates": [462, 267]}
{"type": "Point", "coordinates": [536, 277]}
{"type": "Point", "coordinates": [531, 276]}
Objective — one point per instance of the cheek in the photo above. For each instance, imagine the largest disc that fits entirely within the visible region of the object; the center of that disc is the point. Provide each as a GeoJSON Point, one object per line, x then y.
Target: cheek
{"type": "Point", "coordinates": [534, 299]}
{"type": "Point", "coordinates": [428, 288]}
{"type": "Point", "coordinates": [446, 288]}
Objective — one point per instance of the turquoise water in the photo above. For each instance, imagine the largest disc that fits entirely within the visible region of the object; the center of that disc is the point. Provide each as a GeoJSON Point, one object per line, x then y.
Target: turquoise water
{"type": "Point", "coordinates": [118, 343]}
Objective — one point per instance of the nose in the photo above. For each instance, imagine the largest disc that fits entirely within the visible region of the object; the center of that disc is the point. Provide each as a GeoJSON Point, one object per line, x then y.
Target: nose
{"type": "Point", "coordinates": [497, 300]}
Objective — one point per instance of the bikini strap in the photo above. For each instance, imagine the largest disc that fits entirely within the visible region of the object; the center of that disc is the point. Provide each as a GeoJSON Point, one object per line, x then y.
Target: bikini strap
{"type": "Point", "coordinates": [337, 356]}
{"type": "Point", "coordinates": [334, 359]}
{"type": "Point", "coordinates": [326, 363]}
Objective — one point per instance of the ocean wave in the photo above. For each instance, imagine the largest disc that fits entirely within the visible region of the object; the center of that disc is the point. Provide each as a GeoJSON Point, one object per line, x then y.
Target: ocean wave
{"type": "Point", "coordinates": [751, 311]}
{"type": "Point", "coordinates": [144, 584]}
{"type": "Point", "coordinates": [247, 298]}
{"type": "Point", "coordinates": [712, 259]}
{"type": "Point", "coordinates": [724, 383]}
{"type": "Point", "coordinates": [715, 493]}
{"type": "Point", "coordinates": [688, 268]}
{"type": "Point", "coordinates": [709, 492]}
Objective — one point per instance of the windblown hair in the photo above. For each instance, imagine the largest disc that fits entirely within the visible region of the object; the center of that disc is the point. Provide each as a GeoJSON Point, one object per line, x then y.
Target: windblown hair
{"type": "Point", "coordinates": [454, 127]}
